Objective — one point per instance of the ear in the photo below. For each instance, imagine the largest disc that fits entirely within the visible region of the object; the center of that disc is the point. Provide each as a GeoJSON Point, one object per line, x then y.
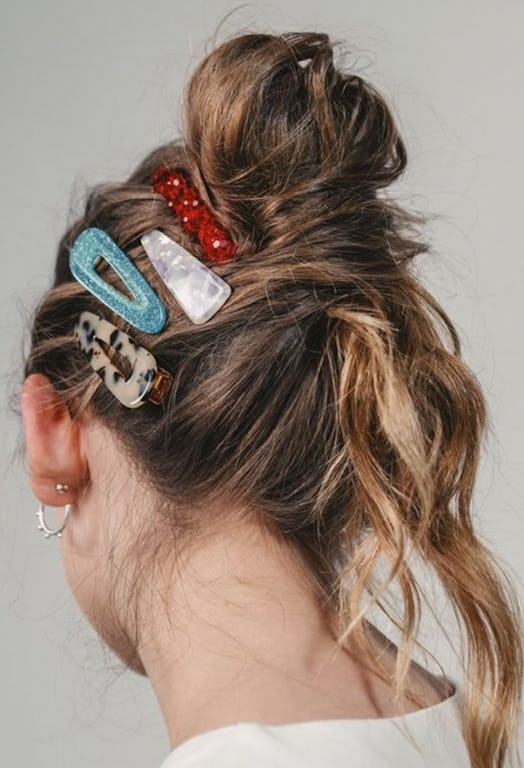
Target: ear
{"type": "Point", "coordinates": [53, 441]}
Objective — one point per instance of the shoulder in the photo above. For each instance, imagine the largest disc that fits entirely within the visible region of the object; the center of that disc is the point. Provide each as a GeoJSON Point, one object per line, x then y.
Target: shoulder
{"type": "Point", "coordinates": [424, 739]}
{"type": "Point", "coordinates": [231, 746]}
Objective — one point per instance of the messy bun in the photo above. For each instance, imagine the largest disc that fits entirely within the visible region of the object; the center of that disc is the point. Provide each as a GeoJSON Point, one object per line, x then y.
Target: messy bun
{"type": "Point", "coordinates": [293, 151]}
{"type": "Point", "coordinates": [329, 394]}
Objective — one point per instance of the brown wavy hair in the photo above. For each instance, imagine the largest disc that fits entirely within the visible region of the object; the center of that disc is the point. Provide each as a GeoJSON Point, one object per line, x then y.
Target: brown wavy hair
{"type": "Point", "coordinates": [328, 395]}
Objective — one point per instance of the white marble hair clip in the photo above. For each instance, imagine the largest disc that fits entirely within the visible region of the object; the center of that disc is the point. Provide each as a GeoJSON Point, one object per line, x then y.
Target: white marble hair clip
{"type": "Point", "coordinates": [198, 289]}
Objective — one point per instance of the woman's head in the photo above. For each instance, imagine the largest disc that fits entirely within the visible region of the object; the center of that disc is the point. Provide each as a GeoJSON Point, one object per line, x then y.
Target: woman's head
{"type": "Point", "coordinates": [326, 401]}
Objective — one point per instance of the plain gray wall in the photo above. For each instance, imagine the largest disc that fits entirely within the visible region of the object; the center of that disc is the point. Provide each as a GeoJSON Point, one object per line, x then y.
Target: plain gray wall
{"type": "Point", "coordinates": [86, 90]}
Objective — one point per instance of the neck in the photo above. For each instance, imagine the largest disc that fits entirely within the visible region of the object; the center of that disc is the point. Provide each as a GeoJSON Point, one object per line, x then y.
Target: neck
{"type": "Point", "coordinates": [239, 635]}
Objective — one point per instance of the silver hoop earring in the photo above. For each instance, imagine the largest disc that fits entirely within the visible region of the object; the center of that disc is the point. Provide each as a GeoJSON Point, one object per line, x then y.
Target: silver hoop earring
{"type": "Point", "coordinates": [42, 524]}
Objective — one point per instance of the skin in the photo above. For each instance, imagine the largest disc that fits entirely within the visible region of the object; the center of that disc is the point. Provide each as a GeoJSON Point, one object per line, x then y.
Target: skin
{"type": "Point", "coordinates": [229, 630]}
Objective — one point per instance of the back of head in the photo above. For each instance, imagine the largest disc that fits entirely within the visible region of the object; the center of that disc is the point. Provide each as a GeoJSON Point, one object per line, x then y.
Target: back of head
{"type": "Point", "coordinates": [328, 395]}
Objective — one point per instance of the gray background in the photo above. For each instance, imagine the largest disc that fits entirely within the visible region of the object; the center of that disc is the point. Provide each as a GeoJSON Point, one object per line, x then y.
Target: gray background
{"type": "Point", "coordinates": [86, 90]}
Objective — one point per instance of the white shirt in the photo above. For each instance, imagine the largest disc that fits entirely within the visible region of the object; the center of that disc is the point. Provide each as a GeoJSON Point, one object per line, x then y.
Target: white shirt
{"type": "Point", "coordinates": [436, 742]}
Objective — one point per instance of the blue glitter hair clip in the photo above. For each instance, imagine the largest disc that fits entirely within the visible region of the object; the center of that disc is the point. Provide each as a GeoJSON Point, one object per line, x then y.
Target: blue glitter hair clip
{"type": "Point", "coordinates": [146, 311]}
{"type": "Point", "coordinates": [128, 370]}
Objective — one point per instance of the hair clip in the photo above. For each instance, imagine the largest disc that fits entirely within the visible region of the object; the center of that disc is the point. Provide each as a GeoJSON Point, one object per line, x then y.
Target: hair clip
{"type": "Point", "coordinates": [199, 291]}
{"type": "Point", "coordinates": [146, 312]}
{"type": "Point", "coordinates": [195, 215]}
{"type": "Point", "coordinates": [127, 369]}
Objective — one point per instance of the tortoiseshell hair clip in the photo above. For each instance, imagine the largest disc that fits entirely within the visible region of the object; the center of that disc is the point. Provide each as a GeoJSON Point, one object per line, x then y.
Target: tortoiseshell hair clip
{"type": "Point", "coordinates": [127, 369]}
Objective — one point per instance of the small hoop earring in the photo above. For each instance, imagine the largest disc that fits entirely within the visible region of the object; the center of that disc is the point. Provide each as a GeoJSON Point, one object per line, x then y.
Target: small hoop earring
{"type": "Point", "coordinates": [42, 524]}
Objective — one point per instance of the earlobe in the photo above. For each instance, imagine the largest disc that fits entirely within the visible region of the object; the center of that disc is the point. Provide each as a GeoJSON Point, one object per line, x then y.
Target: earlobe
{"type": "Point", "coordinates": [53, 442]}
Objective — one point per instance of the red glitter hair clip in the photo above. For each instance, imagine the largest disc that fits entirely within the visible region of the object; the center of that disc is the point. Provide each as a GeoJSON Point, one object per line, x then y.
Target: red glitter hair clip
{"type": "Point", "coordinates": [217, 245]}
